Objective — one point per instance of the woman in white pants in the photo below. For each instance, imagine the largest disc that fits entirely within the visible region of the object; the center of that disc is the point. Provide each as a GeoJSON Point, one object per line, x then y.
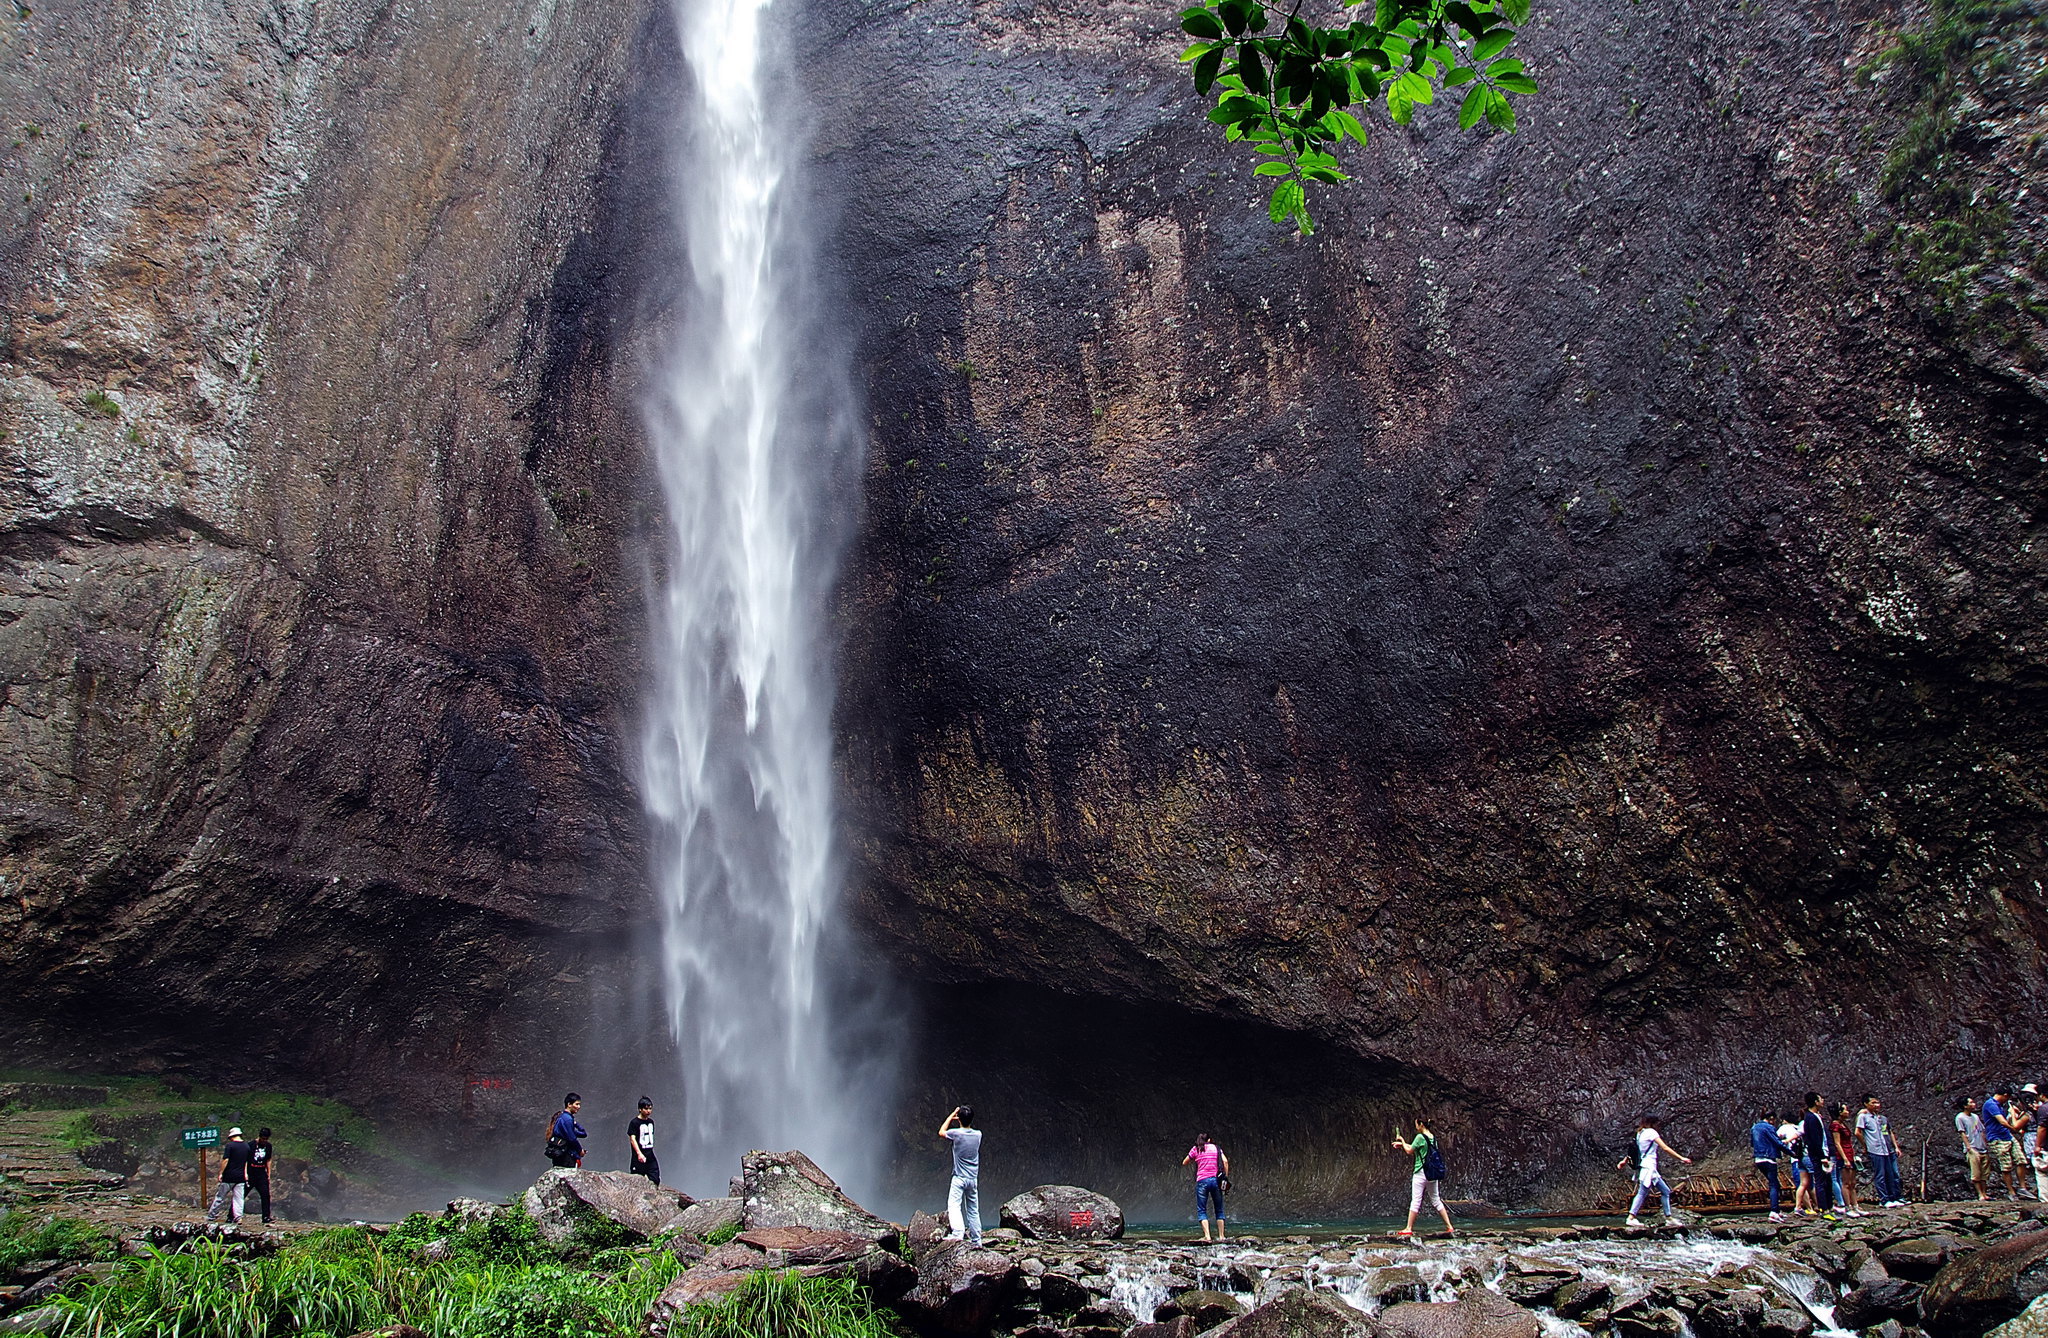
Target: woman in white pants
{"type": "Point", "coordinates": [1420, 1183]}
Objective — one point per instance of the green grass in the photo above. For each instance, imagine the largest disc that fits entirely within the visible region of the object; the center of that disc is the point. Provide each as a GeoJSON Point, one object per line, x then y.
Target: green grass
{"type": "Point", "coordinates": [507, 1238]}
{"type": "Point", "coordinates": [150, 1111]}
{"type": "Point", "coordinates": [723, 1235]}
{"type": "Point", "coordinates": [784, 1304]}
{"type": "Point", "coordinates": [345, 1281]}
{"type": "Point", "coordinates": [24, 1237]}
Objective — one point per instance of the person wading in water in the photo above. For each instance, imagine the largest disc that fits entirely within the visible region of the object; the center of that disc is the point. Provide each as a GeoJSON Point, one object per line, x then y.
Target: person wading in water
{"type": "Point", "coordinates": [1211, 1168]}
{"type": "Point", "coordinates": [1425, 1178]}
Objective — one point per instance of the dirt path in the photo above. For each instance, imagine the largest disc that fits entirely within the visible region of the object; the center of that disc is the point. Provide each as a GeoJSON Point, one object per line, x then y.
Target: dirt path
{"type": "Point", "coordinates": [39, 1173]}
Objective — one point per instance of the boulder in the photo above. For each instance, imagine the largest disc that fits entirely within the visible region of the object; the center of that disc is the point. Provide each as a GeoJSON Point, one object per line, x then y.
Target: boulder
{"type": "Point", "coordinates": [1786, 1323]}
{"type": "Point", "coordinates": [695, 1287]}
{"type": "Point", "coordinates": [1060, 1295]}
{"type": "Point", "coordinates": [786, 1189]}
{"type": "Point", "coordinates": [1577, 1300]}
{"type": "Point", "coordinates": [1180, 1326]}
{"type": "Point", "coordinates": [1875, 1302]}
{"type": "Point", "coordinates": [923, 1232]}
{"type": "Point", "coordinates": [808, 1245]}
{"type": "Point", "coordinates": [1735, 1314]}
{"type": "Point", "coordinates": [44, 1319]}
{"type": "Point", "coordinates": [2029, 1323]}
{"type": "Point", "coordinates": [958, 1289]}
{"type": "Point", "coordinates": [1064, 1212]}
{"type": "Point", "coordinates": [1479, 1313]}
{"type": "Point", "coordinates": [1531, 1287]}
{"type": "Point", "coordinates": [1401, 1282]}
{"type": "Point", "coordinates": [468, 1212]}
{"type": "Point", "coordinates": [705, 1216]}
{"type": "Point", "coordinates": [1206, 1308]}
{"type": "Point", "coordinates": [1918, 1260]}
{"type": "Point", "coordinates": [1981, 1290]}
{"type": "Point", "coordinates": [1300, 1313]}
{"type": "Point", "coordinates": [565, 1199]}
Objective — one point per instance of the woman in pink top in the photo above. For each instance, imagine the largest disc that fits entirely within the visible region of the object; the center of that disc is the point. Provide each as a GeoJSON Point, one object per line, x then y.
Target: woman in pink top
{"type": "Point", "coordinates": [1211, 1166]}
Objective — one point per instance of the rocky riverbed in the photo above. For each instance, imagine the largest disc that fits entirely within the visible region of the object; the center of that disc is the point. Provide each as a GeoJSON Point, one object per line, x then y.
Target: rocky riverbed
{"type": "Point", "coordinates": [1948, 1270]}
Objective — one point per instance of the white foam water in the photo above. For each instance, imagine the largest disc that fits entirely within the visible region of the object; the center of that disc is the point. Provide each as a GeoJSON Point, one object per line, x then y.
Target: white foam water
{"type": "Point", "coordinates": [750, 425]}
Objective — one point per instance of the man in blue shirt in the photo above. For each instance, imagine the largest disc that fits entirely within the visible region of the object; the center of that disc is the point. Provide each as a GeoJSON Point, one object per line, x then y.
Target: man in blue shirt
{"type": "Point", "coordinates": [1998, 1140]}
{"type": "Point", "coordinates": [565, 1136]}
{"type": "Point", "coordinates": [1767, 1147]}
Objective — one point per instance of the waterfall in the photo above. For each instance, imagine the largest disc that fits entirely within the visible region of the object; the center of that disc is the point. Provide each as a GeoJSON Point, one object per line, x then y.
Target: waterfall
{"type": "Point", "coordinates": [751, 423]}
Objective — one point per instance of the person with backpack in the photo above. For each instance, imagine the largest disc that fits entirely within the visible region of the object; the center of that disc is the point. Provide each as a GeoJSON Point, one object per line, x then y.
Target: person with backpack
{"type": "Point", "coordinates": [1212, 1170]}
{"type": "Point", "coordinates": [1647, 1145]}
{"type": "Point", "coordinates": [234, 1178]}
{"type": "Point", "coordinates": [565, 1135]}
{"type": "Point", "coordinates": [1425, 1178]}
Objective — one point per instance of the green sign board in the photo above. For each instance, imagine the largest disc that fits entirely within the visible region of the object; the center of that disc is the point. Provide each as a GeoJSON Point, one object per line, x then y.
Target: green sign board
{"type": "Point", "coordinates": [208, 1137]}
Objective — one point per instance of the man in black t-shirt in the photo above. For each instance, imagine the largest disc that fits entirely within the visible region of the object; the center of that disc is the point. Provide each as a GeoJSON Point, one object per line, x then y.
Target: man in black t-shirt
{"type": "Point", "coordinates": [260, 1153]}
{"type": "Point", "coordinates": [235, 1156]}
{"type": "Point", "coordinates": [640, 1141]}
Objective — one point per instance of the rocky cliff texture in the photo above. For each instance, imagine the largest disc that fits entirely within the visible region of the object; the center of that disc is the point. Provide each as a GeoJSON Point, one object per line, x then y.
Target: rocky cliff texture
{"type": "Point", "coordinates": [1567, 635]}
{"type": "Point", "coordinates": [311, 609]}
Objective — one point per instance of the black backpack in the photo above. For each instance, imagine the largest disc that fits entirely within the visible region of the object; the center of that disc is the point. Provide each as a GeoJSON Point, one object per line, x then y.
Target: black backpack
{"type": "Point", "coordinates": [1432, 1160]}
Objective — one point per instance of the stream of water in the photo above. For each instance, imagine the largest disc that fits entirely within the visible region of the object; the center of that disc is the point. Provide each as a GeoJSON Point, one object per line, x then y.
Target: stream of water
{"type": "Point", "coordinates": [750, 422]}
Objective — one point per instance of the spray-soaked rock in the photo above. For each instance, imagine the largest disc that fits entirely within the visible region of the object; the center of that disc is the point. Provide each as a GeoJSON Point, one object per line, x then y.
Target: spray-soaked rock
{"type": "Point", "coordinates": [1064, 1212]}
{"type": "Point", "coordinates": [1479, 1313]}
{"type": "Point", "coordinates": [1301, 1314]}
{"type": "Point", "coordinates": [785, 1189]}
{"type": "Point", "coordinates": [564, 1200]}
{"type": "Point", "coordinates": [1987, 1288]}
{"type": "Point", "coordinates": [1875, 1302]}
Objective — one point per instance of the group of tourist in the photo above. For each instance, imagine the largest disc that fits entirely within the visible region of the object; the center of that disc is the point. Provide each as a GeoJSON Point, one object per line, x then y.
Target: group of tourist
{"type": "Point", "coordinates": [2006, 1135]}
{"type": "Point", "coordinates": [1824, 1144]}
{"type": "Point", "coordinates": [2002, 1134]}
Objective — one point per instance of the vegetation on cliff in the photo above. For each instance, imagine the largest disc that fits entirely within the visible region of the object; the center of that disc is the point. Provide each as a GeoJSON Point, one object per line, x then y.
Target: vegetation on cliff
{"type": "Point", "coordinates": [1289, 95]}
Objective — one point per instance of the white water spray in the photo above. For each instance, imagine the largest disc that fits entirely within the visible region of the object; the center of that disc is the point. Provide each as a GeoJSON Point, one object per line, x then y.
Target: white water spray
{"type": "Point", "coordinates": [754, 457]}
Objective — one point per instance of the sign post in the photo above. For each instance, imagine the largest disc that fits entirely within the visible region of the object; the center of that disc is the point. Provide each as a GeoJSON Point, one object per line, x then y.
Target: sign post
{"type": "Point", "coordinates": [207, 1136]}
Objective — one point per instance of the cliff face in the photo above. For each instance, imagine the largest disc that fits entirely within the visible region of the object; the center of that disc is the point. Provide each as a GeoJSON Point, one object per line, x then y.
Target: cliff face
{"type": "Point", "coordinates": [1568, 634]}
{"type": "Point", "coordinates": [1572, 628]}
{"type": "Point", "coordinates": [318, 630]}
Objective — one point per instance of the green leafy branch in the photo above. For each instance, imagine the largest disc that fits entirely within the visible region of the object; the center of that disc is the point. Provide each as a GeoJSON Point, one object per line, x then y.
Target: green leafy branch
{"type": "Point", "coordinates": [1289, 95]}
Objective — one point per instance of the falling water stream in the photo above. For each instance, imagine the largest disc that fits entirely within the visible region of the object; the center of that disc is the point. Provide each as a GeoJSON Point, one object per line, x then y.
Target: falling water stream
{"type": "Point", "coordinates": [754, 453]}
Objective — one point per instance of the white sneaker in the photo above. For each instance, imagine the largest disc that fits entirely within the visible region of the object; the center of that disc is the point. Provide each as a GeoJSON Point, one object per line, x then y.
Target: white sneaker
{"type": "Point", "coordinates": [1777, 1217]}
{"type": "Point", "coordinates": [1634, 1222]}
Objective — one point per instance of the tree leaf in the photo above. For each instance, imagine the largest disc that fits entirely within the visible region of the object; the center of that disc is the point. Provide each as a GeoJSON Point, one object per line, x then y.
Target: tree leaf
{"type": "Point", "coordinates": [1206, 68]}
{"type": "Point", "coordinates": [1515, 11]}
{"type": "Point", "coordinates": [1516, 83]}
{"type": "Point", "coordinates": [1501, 67]}
{"type": "Point", "coordinates": [1474, 106]}
{"type": "Point", "coordinates": [1415, 89]}
{"type": "Point", "coordinates": [1464, 74]}
{"type": "Point", "coordinates": [1493, 44]}
{"type": "Point", "coordinates": [1249, 66]}
{"type": "Point", "coordinates": [1498, 113]}
{"type": "Point", "coordinates": [1350, 124]}
{"type": "Point", "coordinates": [1236, 15]}
{"type": "Point", "coordinates": [1274, 169]}
{"type": "Point", "coordinates": [1201, 23]}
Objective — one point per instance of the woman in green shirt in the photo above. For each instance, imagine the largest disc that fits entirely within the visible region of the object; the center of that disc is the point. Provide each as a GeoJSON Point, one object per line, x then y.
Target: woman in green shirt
{"type": "Point", "coordinates": [1419, 1181]}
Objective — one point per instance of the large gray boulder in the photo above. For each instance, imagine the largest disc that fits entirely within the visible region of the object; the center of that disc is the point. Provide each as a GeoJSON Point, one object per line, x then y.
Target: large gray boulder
{"type": "Point", "coordinates": [1981, 1290]}
{"type": "Point", "coordinates": [1064, 1212]}
{"type": "Point", "coordinates": [705, 1216]}
{"type": "Point", "coordinates": [1875, 1302]}
{"type": "Point", "coordinates": [786, 1189]}
{"type": "Point", "coordinates": [1301, 1314]}
{"type": "Point", "coordinates": [565, 1200]}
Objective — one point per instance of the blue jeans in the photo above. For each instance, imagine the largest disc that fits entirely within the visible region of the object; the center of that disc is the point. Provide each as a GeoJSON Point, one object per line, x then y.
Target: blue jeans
{"type": "Point", "coordinates": [1209, 1198]}
{"type": "Point", "coordinates": [1642, 1190]}
{"type": "Point", "coordinates": [1884, 1176]}
{"type": "Point", "coordinates": [1769, 1171]}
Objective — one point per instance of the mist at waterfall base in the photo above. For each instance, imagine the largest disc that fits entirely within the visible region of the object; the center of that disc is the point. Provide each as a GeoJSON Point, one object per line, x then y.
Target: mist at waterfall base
{"type": "Point", "coordinates": [753, 426]}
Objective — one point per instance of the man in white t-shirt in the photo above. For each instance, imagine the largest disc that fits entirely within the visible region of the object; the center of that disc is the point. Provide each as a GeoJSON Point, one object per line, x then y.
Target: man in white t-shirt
{"type": "Point", "coordinates": [1648, 1144]}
